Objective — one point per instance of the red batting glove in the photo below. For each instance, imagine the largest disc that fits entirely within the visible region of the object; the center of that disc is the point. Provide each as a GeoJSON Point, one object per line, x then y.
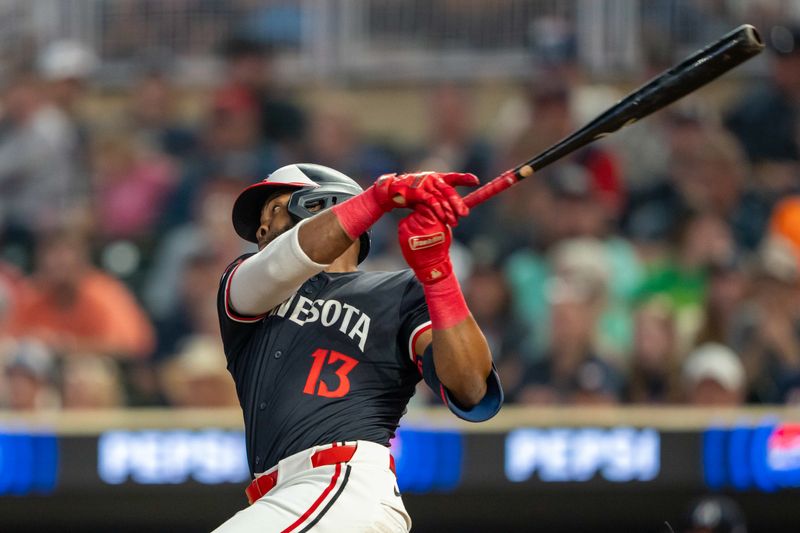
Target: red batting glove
{"type": "Point", "coordinates": [425, 243]}
{"type": "Point", "coordinates": [432, 189]}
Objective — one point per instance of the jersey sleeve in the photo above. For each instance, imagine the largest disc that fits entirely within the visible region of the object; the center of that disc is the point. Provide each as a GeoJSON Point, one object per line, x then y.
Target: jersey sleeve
{"type": "Point", "coordinates": [416, 321]}
{"type": "Point", "coordinates": [234, 327]}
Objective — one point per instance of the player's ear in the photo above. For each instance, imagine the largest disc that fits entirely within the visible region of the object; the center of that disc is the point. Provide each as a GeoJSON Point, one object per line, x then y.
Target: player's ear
{"type": "Point", "coordinates": [261, 234]}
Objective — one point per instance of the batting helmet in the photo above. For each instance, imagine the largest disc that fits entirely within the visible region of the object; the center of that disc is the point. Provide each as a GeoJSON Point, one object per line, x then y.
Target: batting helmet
{"type": "Point", "coordinates": [313, 186]}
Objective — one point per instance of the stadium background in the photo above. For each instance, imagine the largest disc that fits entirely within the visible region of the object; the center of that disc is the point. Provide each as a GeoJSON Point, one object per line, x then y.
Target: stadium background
{"type": "Point", "coordinates": [641, 298]}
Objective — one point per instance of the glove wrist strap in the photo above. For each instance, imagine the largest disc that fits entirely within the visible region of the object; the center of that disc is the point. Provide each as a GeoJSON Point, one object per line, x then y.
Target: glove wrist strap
{"type": "Point", "coordinates": [359, 213]}
{"type": "Point", "coordinates": [446, 303]}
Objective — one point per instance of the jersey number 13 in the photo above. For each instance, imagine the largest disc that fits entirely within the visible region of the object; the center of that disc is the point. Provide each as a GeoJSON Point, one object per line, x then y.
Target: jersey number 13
{"type": "Point", "coordinates": [345, 364]}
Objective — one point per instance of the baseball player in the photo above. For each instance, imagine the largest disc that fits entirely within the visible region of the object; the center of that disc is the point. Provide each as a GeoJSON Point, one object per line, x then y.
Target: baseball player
{"type": "Point", "coordinates": [326, 357]}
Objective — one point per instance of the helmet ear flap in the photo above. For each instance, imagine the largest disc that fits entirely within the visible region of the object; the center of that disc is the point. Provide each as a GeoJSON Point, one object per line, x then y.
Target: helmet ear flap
{"type": "Point", "coordinates": [363, 250]}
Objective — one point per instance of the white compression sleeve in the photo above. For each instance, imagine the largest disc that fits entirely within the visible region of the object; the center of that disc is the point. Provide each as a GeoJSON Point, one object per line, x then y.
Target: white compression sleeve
{"type": "Point", "coordinates": [269, 277]}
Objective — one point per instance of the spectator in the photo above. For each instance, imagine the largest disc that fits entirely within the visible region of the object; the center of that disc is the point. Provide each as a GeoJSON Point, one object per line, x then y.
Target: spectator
{"type": "Point", "coordinates": [769, 333]}
{"type": "Point", "coordinates": [12, 287]}
{"type": "Point", "coordinates": [572, 369]}
{"type": "Point", "coordinates": [250, 66]}
{"type": "Point", "coordinates": [40, 170]}
{"type": "Point", "coordinates": [197, 376]}
{"type": "Point", "coordinates": [74, 307]}
{"type": "Point", "coordinates": [550, 120]}
{"type": "Point", "coordinates": [655, 365]}
{"type": "Point", "coordinates": [708, 174]}
{"type": "Point", "coordinates": [453, 145]}
{"type": "Point", "coordinates": [578, 211]}
{"type": "Point", "coordinates": [701, 241]}
{"type": "Point", "coordinates": [766, 119]}
{"type": "Point", "coordinates": [152, 118]}
{"type": "Point", "coordinates": [209, 233]}
{"type": "Point", "coordinates": [711, 175]}
{"type": "Point", "coordinates": [231, 148]}
{"type": "Point", "coordinates": [451, 142]}
{"type": "Point", "coordinates": [643, 148]}
{"type": "Point", "coordinates": [91, 382]}
{"type": "Point", "coordinates": [727, 291]}
{"type": "Point", "coordinates": [30, 374]}
{"type": "Point", "coordinates": [335, 140]}
{"type": "Point", "coordinates": [65, 68]}
{"type": "Point", "coordinates": [714, 376]}
{"type": "Point", "coordinates": [195, 310]}
{"type": "Point", "coordinates": [131, 186]}
{"type": "Point", "coordinates": [784, 225]}
{"type": "Point", "coordinates": [489, 300]}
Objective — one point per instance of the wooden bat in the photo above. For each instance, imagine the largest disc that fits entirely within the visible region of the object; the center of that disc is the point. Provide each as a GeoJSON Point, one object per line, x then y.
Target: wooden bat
{"type": "Point", "coordinates": [695, 71]}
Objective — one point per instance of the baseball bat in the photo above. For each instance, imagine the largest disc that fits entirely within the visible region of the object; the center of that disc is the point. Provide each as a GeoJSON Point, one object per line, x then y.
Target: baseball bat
{"type": "Point", "coordinates": [703, 66]}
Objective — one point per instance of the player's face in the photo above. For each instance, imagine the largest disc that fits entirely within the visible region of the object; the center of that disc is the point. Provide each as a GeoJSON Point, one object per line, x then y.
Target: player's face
{"type": "Point", "coordinates": [275, 219]}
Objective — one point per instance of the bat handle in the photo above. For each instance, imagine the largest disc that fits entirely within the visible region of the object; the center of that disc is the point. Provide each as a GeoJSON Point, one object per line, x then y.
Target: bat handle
{"type": "Point", "coordinates": [488, 190]}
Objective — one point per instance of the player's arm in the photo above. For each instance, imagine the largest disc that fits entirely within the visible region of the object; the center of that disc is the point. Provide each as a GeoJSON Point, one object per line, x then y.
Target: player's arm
{"type": "Point", "coordinates": [269, 277]}
{"type": "Point", "coordinates": [461, 358]}
{"type": "Point", "coordinates": [454, 354]}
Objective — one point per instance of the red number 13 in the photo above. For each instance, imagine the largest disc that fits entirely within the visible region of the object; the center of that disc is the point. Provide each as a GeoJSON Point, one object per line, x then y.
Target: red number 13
{"type": "Point", "coordinates": [348, 364]}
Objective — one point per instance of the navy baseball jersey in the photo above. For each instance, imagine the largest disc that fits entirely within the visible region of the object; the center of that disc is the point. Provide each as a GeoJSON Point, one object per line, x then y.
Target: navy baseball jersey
{"type": "Point", "coordinates": [334, 362]}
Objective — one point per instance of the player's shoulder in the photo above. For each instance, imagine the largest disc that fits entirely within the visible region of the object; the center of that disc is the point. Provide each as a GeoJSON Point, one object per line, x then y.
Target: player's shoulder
{"type": "Point", "coordinates": [396, 286]}
{"type": "Point", "coordinates": [232, 265]}
{"type": "Point", "coordinates": [238, 260]}
{"type": "Point", "coordinates": [394, 279]}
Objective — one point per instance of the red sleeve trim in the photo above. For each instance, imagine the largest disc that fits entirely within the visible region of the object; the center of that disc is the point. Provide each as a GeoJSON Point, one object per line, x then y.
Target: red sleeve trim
{"type": "Point", "coordinates": [233, 315]}
{"type": "Point", "coordinates": [412, 341]}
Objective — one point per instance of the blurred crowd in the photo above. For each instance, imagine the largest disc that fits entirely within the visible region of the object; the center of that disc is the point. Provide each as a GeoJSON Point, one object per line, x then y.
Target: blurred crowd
{"type": "Point", "coordinates": [660, 266]}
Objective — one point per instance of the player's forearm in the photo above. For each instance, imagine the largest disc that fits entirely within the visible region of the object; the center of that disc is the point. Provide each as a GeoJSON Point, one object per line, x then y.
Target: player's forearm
{"type": "Point", "coordinates": [323, 239]}
{"type": "Point", "coordinates": [463, 361]}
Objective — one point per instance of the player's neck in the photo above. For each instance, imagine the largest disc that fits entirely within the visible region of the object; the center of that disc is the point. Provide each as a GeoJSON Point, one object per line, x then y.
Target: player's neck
{"type": "Point", "coordinates": [347, 262]}
{"type": "Point", "coordinates": [342, 264]}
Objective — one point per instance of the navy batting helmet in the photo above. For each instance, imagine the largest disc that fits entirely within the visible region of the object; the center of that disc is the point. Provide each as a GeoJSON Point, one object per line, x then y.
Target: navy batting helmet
{"type": "Point", "coordinates": [313, 186]}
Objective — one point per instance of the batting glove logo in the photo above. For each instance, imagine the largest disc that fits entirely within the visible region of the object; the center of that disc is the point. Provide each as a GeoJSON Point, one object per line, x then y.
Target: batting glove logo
{"type": "Point", "coordinates": [421, 242]}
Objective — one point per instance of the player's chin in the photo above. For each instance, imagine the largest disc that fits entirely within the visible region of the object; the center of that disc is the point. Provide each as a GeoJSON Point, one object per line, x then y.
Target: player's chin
{"type": "Point", "coordinates": [272, 235]}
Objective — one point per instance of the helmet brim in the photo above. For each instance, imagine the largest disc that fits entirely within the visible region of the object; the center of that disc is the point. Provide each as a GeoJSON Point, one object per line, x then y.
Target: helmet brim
{"type": "Point", "coordinates": [247, 208]}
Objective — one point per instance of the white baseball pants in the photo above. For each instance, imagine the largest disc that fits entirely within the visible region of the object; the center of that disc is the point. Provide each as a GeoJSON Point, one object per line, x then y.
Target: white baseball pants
{"type": "Point", "coordinates": [358, 496]}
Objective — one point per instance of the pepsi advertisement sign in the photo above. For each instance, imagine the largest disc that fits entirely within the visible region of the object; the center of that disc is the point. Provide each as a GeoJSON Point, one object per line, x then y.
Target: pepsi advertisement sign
{"type": "Point", "coordinates": [747, 457]}
{"type": "Point", "coordinates": [425, 460]}
{"type": "Point", "coordinates": [765, 457]}
{"type": "Point", "coordinates": [616, 455]}
{"type": "Point", "coordinates": [210, 456]}
{"type": "Point", "coordinates": [28, 463]}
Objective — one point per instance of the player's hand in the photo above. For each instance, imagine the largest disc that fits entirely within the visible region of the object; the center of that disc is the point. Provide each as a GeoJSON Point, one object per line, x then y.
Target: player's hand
{"type": "Point", "coordinates": [430, 190]}
{"type": "Point", "coordinates": [434, 190]}
{"type": "Point", "coordinates": [425, 242]}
